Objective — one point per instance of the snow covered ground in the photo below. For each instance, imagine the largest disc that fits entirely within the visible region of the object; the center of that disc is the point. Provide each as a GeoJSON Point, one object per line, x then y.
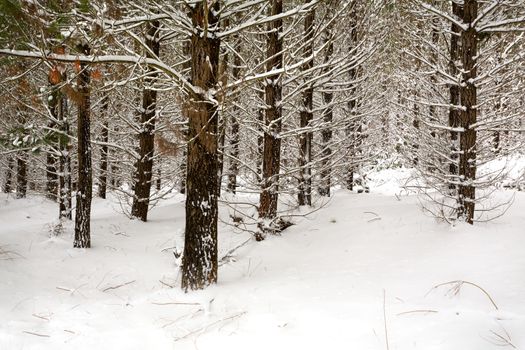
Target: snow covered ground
{"type": "Point", "coordinates": [363, 266]}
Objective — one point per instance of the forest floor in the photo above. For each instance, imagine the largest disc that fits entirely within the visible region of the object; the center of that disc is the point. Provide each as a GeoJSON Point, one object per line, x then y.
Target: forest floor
{"type": "Point", "coordinates": [364, 270]}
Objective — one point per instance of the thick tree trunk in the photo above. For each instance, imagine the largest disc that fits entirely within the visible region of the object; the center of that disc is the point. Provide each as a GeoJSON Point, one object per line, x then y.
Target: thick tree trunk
{"type": "Point", "coordinates": [326, 133]}
{"type": "Point", "coordinates": [454, 112]}
{"type": "Point", "coordinates": [103, 177]}
{"type": "Point", "coordinates": [304, 196]}
{"type": "Point", "coordinates": [144, 170]}
{"type": "Point", "coordinates": [468, 94]}
{"type": "Point", "coordinates": [85, 181]}
{"type": "Point", "coordinates": [21, 175]}
{"type": "Point", "coordinates": [273, 115]}
{"type": "Point", "coordinates": [8, 184]}
{"type": "Point", "coordinates": [200, 262]}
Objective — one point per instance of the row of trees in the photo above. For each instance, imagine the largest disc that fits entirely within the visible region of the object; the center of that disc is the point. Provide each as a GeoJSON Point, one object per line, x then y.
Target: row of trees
{"type": "Point", "coordinates": [278, 99]}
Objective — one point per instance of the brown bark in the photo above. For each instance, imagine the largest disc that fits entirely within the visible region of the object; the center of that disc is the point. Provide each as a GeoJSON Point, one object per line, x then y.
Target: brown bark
{"type": "Point", "coordinates": [304, 196]}
{"type": "Point", "coordinates": [273, 114]}
{"type": "Point", "coordinates": [468, 94]}
{"type": "Point", "coordinates": [51, 169]}
{"type": "Point", "coordinates": [200, 263]}
{"type": "Point", "coordinates": [85, 181]}
{"type": "Point", "coordinates": [144, 164]}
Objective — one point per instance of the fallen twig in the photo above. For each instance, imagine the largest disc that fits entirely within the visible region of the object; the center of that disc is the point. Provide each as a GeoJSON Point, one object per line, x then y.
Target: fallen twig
{"type": "Point", "coordinates": [456, 287]}
{"type": "Point", "coordinates": [118, 286]}
{"type": "Point", "coordinates": [228, 255]}
{"type": "Point", "coordinates": [414, 311]}
{"type": "Point", "coordinates": [37, 334]}
{"type": "Point", "coordinates": [41, 317]}
{"type": "Point", "coordinates": [174, 303]}
{"type": "Point", "coordinates": [211, 325]}
{"type": "Point", "coordinates": [166, 284]}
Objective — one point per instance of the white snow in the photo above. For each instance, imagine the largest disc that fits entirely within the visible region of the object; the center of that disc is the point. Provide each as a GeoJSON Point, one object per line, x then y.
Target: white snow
{"type": "Point", "coordinates": [318, 286]}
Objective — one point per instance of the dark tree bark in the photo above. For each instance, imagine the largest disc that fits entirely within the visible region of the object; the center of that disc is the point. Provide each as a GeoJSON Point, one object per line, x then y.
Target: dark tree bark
{"type": "Point", "coordinates": [54, 108]}
{"type": "Point", "coordinates": [200, 263]}
{"type": "Point", "coordinates": [64, 159]}
{"type": "Point", "coordinates": [159, 179]}
{"type": "Point", "coordinates": [223, 122]}
{"type": "Point", "coordinates": [186, 49]}
{"type": "Point", "coordinates": [454, 112]}
{"type": "Point", "coordinates": [114, 166]}
{"type": "Point", "coordinates": [260, 136]}
{"type": "Point", "coordinates": [304, 196]}
{"type": "Point", "coordinates": [468, 116]}
{"type": "Point", "coordinates": [144, 170]}
{"type": "Point", "coordinates": [21, 175]}
{"type": "Point", "coordinates": [354, 127]}
{"type": "Point", "coordinates": [104, 137]}
{"type": "Point", "coordinates": [235, 128]}
{"type": "Point", "coordinates": [85, 181]}
{"type": "Point", "coordinates": [9, 175]}
{"type": "Point", "coordinates": [326, 133]}
{"type": "Point", "coordinates": [273, 121]}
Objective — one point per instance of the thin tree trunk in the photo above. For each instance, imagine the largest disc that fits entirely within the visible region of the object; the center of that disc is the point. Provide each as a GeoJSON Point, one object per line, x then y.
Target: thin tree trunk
{"type": "Point", "coordinates": [273, 114]}
{"type": "Point", "coordinates": [144, 170]}
{"type": "Point", "coordinates": [326, 133]}
{"type": "Point", "coordinates": [85, 181]}
{"type": "Point", "coordinates": [64, 160]}
{"type": "Point", "coordinates": [9, 175]}
{"type": "Point", "coordinates": [54, 105]}
{"type": "Point", "coordinates": [235, 129]}
{"type": "Point", "coordinates": [21, 175]}
{"type": "Point", "coordinates": [200, 262]}
{"type": "Point", "coordinates": [305, 157]}
{"type": "Point", "coordinates": [468, 94]}
{"type": "Point", "coordinates": [454, 112]}
{"type": "Point", "coordinates": [103, 177]}
{"type": "Point", "coordinates": [354, 127]}
{"type": "Point", "coordinates": [186, 50]}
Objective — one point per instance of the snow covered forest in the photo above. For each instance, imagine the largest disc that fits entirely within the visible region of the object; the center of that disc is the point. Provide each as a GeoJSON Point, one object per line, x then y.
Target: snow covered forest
{"type": "Point", "coordinates": [262, 173]}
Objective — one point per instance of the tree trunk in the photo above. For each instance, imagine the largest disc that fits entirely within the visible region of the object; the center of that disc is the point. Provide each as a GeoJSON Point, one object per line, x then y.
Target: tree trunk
{"type": "Point", "coordinates": [144, 170]}
{"type": "Point", "coordinates": [103, 177]}
{"type": "Point", "coordinates": [21, 175]}
{"type": "Point", "coordinates": [186, 50]}
{"type": "Point", "coordinates": [9, 175]}
{"type": "Point", "coordinates": [305, 139]}
{"type": "Point", "coordinates": [200, 263]}
{"type": "Point", "coordinates": [51, 169]}
{"type": "Point", "coordinates": [64, 160]}
{"type": "Point", "coordinates": [468, 95]}
{"type": "Point", "coordinates": [235, 128]}
{"type": "Point", "coordinates": [454, 113]}
{"type": "Point", "coordinates": [85, 181]}
{"type": "Point", "coordinates": [354, 127]}
{"type": "Point", "coordinates": [326, 133]}
{"type": "Point", "coordinates": [273, 114]}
